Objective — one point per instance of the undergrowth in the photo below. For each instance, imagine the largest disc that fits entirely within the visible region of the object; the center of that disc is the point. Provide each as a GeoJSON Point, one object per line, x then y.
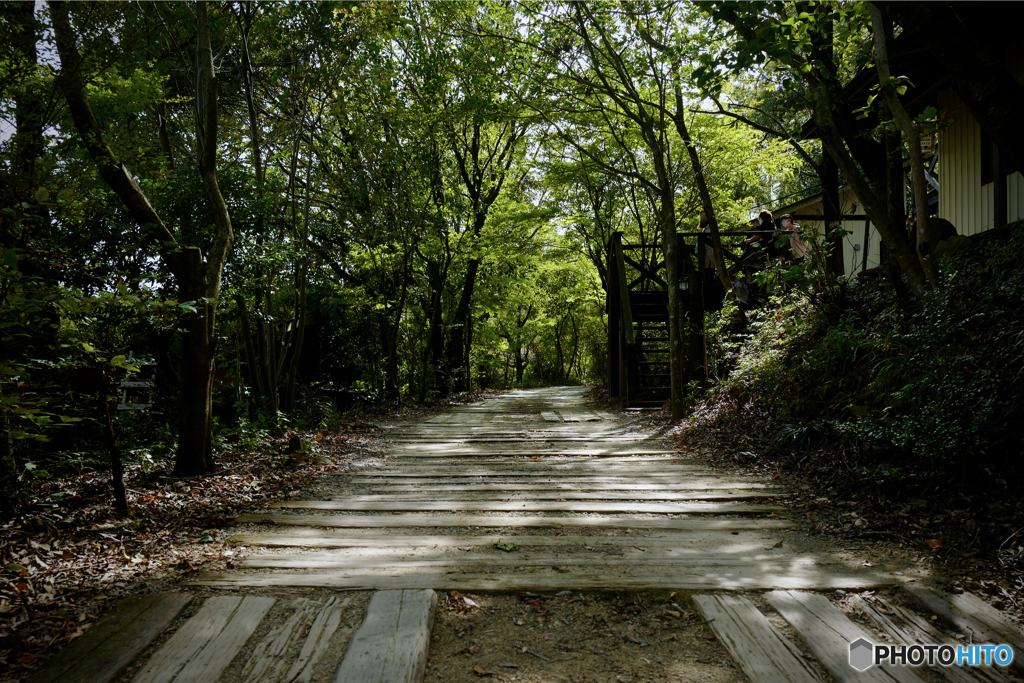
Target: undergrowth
{"type": "Point", "coordinates": [928, 393]}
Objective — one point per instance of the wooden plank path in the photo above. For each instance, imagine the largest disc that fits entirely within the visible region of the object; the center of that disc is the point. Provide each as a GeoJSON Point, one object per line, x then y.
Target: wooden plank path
{"type": "Point", "coordinates": [531, 492]}
{"type": "Point", "coordinates": [525, 462]}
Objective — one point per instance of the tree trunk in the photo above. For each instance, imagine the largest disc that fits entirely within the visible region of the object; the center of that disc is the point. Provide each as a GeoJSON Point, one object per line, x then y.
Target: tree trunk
{"type": "Point", "coordinates": [194, 437]}
{"type": "Point", "coordinates": [251, 356]}
{"type": "Point", "coordinates": [116, 461]}
{"type": "Point", "coordinates": [705, 195]}
{"type": "Point", "coordinates": [8, 463]}
{"type": "Point", "coordinates": [925, 250]}
{"type": "Point", "coordinates": [874, 205]}
{"type": "Point", "coordinates": [435, 336]}
{"type": "Point", "coordinates": [29, 107]}
{"type": "Point", "coordinates": [457, 371]}
{"type": "Point", "coordinates": [198, 283]}
{"type": "Point", "coordinates": [833, 215]}
{"type": "Point", "coordinates": [894, 202]}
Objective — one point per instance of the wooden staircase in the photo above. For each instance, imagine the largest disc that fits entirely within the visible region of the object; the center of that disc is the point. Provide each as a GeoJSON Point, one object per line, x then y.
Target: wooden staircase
{"type": "Point", "coordinates": [649, 355]}
{"type": "Point", "coordinates": [638, 334]}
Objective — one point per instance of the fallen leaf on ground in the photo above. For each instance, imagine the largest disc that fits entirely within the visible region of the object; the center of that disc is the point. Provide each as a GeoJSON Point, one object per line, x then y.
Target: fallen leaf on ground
{"type": "Point", "coordinates": [480, 671]}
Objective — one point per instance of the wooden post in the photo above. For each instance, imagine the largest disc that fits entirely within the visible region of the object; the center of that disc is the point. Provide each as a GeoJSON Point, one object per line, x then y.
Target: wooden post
{"type": "Point", "coordinates": [613, 309]}
{"type": "Point", "coordinates": [999, 195]}
{"type": "Point", "coordinates": [627, 313]}
{"type": "Point", "coordinates": [867, 243]}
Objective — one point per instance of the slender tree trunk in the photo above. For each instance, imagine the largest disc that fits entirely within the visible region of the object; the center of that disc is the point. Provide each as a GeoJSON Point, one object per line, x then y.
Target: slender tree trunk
{"type": "Point", "coordinates": [893, 151]}
{"type": "Point", "coordinates": [28, 113]}
{"type": "Point", "coordinates": [116, 460]}
{"type": "Point", "coordinates": [251, 356]}
{"type": "Point", "coordinates": [679, 118]}
{"type": "Point", "coordinates": [8, 463]}
{"type": "Point", "coordinates": [435, 337]}
{"type": "Point", "coordinates": [925, 250]}
{"type": "Point", "coordinates": [460, 323]}
{"type": "Point", "coordinates": [874, 206]}
{"type": "Point", "coordinates": [833, 214]}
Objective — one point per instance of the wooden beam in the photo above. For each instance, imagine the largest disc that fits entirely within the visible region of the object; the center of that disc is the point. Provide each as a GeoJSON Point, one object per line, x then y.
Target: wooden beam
{"type": "Point", "coordinates": [974, 616]}
{"type": "Point", "coordinates": [391, 645]}
{"type": "Point", "coordinates": [496, 559]}
{"type": "Point", "coordinates": [440, 521]}
{"type": "Point", "coordinates": [109, 647]}
{"type": "Point", "coordinates": [627, 313]}
{"type": "Point", "coordinates": [828, 633]}
{"type": "Point", "coordinates": [753, 578]}
{"type": "Point", "coordinates": [204, 646]}
{"type": "Point", "coordinates": [622, 507]}
{"type": "Point", "coordinates": [757, 647]}
{"type": "Point", "coordinates": [742, 541]}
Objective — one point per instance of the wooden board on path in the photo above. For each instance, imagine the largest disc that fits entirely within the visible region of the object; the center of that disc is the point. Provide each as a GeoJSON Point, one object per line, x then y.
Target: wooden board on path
{"type": "Point", "coordinates": [587, 466]}
{"type": "Point", "coordinates": [973, 616]}
{"type": "Point", "coordinates": [399, 451]}
{"type": "Point", "coordinates": [828, 633]}
{"type": "Point", "coordinates": [757, 647]}
{"type": "Point", "coordinates": [505, 494]}
{"type": "Point", "coordinates": [297, 537]}
{"type": "Point", "coordinates": [312, 623]}
{"type": "Point", "coordinates": [391, 644]}
{"type": "Point", "coordinates": [752, 578]}
{"type": "Point", "coordinates": [108, 647]}
{"type": "Point", "coordinates": [517, 558]}
{"type": "Point", "coordinates": [502, 460]}
{"type": "Point", "coordinates": [402, 520]}
{"type": "Point", "coordinates": [579, 475]}
{"type": "Point", "coordinates": [589, 484]}
{"type": "Point", "coordinates": [533, 506]}
{"type": "Point", "coordinates": [204, 646]}
{"type": "Point", "coordinates": [908, 628]}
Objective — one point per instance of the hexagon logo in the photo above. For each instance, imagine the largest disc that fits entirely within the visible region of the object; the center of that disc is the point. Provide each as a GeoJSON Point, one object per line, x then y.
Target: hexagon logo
{"type": "Point", "coordinates": [861, 654]}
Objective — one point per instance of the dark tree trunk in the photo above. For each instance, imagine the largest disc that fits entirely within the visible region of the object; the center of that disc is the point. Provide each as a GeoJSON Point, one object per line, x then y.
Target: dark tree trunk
{"type": "Point", "coordinates": [833, 214]}
{"type": "Point", "coordinates": [195, 455]}
{"type": "Point", "coordinates": [116, 460]}
{"type": "Point", "coordinates": [456, 352]}
{"type": "Point", "coordinates": [435, 335]}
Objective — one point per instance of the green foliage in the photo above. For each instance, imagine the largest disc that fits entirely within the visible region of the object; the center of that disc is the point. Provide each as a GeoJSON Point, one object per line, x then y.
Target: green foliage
{"type": "Point", "coordinates": [932, 390]}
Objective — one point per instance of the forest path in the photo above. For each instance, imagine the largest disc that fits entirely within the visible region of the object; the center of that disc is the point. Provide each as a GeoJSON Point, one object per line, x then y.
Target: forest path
{"type": "Point", "coordinates": [564, 522]}
{"type": "Point", "coordinates": [535, 491]}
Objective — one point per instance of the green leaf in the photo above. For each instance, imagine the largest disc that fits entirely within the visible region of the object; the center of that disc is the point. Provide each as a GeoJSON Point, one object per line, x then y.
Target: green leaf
{"type": "Point", "coordinates": [42, 195]}
{"type": "Point", "coordinates": [902, 90]}
{"type": "Point", "coordinates": [507, 547]}
{"type": "Point", "coordinates": [15, 567]}
{"type": "Point", "coordinates": [11, 259]}
{"type": "Point", "coordinates": [206, 539]}
{"type": "Point", "coordinates": [88, 347]}
{"type": "Point", "coordinates": [117, 361]}
{"type": "Point", "coordinates": [66, 195]}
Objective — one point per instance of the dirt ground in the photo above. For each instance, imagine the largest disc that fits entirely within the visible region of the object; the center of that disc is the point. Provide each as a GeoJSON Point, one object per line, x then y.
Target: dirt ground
{"type": "Point", "coordinates": [574, 638]}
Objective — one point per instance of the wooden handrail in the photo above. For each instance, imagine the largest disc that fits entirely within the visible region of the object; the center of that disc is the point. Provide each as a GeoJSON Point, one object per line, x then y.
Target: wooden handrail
{"type": "Point", "coordinates": [627, 312]}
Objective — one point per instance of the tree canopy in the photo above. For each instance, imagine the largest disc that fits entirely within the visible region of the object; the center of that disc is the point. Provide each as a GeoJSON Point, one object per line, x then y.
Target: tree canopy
{"type": "Point", "coordinates": [269, 204]}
